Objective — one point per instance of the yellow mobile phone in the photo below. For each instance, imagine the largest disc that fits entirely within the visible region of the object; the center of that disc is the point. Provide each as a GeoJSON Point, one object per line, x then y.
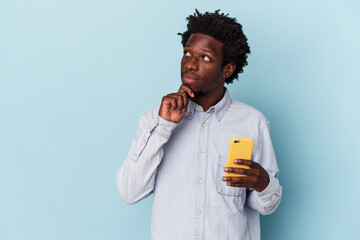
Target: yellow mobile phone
{"type": "Point", "coordinates": [240, 148]}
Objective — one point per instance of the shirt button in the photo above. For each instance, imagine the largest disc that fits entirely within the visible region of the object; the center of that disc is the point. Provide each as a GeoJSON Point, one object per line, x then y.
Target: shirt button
{"type": "Point", "coordinates": [204, 125]}
{"type": "Point", "coordinates": [190, 114]}
{"type": "Point", "coordinates": [217, 116]}
{"type": "Point", "coordinates": [163, 127]}
{"type": "Point", "coordinates": [199, 212]}
{"type": "Point", "coordinates": [201, 181]}
{"type": "Point", "coordinates": [155, 123]}
{"type": "Point", "coordinates": [202, 150]}
{"type": "Point", "coordinates": [197, 107]}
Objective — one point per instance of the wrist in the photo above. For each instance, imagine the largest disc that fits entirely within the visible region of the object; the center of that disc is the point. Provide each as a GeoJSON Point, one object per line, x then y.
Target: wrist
{"type": "Point", "coordinates": [264, 185]}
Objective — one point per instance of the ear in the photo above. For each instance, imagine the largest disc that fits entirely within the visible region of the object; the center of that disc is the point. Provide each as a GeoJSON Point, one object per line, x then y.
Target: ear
{"type": "Point", "coordinates": [228, 70]}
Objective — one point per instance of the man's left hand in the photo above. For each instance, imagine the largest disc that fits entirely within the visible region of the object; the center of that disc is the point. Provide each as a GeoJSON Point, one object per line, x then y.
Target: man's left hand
{"type": "Point", "coordinates": [256, 177]}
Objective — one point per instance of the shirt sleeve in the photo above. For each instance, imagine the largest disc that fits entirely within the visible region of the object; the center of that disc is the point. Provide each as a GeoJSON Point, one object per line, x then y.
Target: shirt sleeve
{"type": "Point", "coordinates": [135, 178]}
{"type": "Point", "coordinates": [266, 201]}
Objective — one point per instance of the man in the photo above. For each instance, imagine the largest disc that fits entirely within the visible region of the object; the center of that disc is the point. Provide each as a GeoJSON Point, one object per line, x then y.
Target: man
{"type": "Point", "coordinates": [180, 150]}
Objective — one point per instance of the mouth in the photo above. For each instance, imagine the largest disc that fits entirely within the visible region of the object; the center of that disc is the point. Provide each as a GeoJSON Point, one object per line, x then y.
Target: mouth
{"type": "Point", "coordinates": [190, 78]}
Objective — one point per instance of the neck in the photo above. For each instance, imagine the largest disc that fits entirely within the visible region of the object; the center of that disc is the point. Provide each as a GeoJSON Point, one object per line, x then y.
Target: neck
{"type": "Point", "coordinates": [208, 100]}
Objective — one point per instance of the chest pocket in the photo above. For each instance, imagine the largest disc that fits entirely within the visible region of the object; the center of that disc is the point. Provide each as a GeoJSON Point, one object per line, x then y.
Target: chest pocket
{"type": "Point", "coordinates": [221, 186]}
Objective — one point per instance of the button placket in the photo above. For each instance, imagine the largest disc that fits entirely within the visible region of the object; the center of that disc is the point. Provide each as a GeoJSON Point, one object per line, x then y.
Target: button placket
{"type": "Point", "coordinates": [201, 176]}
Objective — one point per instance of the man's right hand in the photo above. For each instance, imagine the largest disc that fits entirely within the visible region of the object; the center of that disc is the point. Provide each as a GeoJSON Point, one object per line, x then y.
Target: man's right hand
{"type": "Point", "coordinates": [174, 105]}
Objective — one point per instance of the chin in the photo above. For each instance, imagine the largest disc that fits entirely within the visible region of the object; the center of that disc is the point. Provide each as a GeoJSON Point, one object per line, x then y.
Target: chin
{"type": "Point", "coordinates": [198, 93]}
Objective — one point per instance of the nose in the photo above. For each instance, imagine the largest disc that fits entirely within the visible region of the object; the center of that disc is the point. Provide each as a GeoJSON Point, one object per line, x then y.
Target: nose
{"type": "Point", "coordinates": [192, 64]}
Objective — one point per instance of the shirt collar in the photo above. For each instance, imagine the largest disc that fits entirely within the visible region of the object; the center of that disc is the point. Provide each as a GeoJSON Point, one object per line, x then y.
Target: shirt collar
{"type": "Point", "coordinates": [220, 108]}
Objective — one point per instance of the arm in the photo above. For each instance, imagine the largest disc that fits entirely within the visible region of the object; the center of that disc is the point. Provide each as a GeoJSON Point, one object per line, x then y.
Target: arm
{"type": "Point", "coordinates": [136, 177]}
{"type": "Point", "coordinates": [262, 177]}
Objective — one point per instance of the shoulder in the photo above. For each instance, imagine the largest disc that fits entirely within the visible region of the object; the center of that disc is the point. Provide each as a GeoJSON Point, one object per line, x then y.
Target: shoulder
{"type": "Point", "coordinates": [241, 109]}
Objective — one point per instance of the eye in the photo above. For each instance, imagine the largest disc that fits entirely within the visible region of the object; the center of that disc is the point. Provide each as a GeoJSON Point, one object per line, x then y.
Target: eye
{"type": "Point", "coordinates": [186, 53]}
{"type": "Point", "coordinates": [206, 58]}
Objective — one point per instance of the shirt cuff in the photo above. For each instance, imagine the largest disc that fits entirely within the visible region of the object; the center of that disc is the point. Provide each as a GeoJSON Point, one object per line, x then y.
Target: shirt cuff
{"type": "Point", "coordinates": [164, 127]}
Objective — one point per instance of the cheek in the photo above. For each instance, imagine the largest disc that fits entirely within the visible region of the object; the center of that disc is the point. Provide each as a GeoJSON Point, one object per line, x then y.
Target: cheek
{"type": "Point", "coordinates": [219, 72]}
{"type": "Point", "coordinates": [212, 73]}
{"type": "Point", "coordinates": [183, 63]}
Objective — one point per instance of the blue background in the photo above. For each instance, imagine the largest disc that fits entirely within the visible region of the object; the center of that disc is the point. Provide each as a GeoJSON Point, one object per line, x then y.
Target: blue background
{"type": "Point", "coordinates": [75, 76]}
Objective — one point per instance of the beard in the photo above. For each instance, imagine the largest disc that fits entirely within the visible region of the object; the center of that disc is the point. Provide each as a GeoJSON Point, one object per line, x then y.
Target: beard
{"type": "Point", "coordinates": [198, 93]}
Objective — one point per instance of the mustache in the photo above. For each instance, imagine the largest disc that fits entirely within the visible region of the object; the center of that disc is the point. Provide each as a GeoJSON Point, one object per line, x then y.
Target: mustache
{"type": "Point", "coordinates": [190, 74]}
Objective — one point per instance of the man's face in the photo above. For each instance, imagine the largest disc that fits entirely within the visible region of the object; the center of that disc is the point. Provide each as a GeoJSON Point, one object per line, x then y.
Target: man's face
{"type": "Point", "coordinates": [201, 64]}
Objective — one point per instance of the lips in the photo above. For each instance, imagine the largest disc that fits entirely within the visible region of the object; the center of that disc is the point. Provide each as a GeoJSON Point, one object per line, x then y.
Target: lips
{"type": "Point", "coordinates": [190, 78]}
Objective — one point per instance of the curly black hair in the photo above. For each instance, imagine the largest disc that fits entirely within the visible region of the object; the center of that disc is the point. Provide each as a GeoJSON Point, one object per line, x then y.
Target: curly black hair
{"type": "Point", "coordinates": [224, 29]}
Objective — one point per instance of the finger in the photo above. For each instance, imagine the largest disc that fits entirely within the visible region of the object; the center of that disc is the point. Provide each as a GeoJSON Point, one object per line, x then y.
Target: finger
{"type": "Point", "coordinates": [242, 171]}
{"type": "Point", "coordinates": [233, 170]}
{"type": "Point", "coordinates": [167, 100]}
{"type": "Point", "coordinates": [180, 102]}
{"type": "Point", "coordinates": [173, 103]}
{"type": "Point", "coordinates": [234, 179]}
{"type": "Point", "coordinates": [226, 179]}
{"type": "Point", "coordinates": [187, 89]}
{"type": "Point", "coordinates": [185, 99]}
{"type": "Point", "coordinates": [231, 184]}
{"type": "Point", "coordinates": [245, 162]}
{"type": "Point", "coordinates": [243, 180]}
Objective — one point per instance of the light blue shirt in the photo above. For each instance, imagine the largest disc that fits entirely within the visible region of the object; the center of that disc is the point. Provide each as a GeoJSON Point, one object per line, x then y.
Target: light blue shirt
{"type": "Point", "coordinates": [182, 165]}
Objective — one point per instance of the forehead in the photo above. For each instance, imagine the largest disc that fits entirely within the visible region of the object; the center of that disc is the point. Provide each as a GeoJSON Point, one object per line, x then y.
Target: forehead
{"type": "Point", "coordinates": [205, 43]}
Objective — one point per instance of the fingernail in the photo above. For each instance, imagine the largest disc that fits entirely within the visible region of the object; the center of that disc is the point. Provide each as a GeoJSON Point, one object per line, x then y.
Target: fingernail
{"type": "Point", "coordinates": [224, 178]}
{"type": "Point", "coordinates": [229, 184]}
{"type": "Point", "coordinates": [226, 169]}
